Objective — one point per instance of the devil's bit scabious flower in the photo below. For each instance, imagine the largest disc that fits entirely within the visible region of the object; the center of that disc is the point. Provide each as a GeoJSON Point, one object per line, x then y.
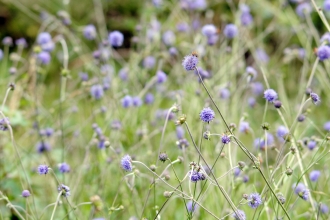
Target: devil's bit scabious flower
{"type": "Point", "coordinates": [97, 91]}
{"type": "Point", "coordinates": [225, 139]}
{"type": "Point", "coordinates": [246, 19]}
{"type": "Point", "coordinates": [21, 42]}
{"type": "Point", "coordinates": [326, 126]}
{"type": "Point", "coordinates": [244, 127]}
{"type": "Point", "coordinates": [163, 157]}
{"type": "Point", "coordinates": [42, 146]}
{"type": "Point", "coordinates": [182, 143]}
{"type": "Point", "coordinates": [303, 8]}
{"type": "Point", "coordinates": [241, 214]}
{"type": "Point", "coordinates": [252, 102]}
{"type": "Point", "coordinates": [44, 57]}
{"type": "Point", "coordinates": [230, 31]}
{"type": "Point", "coordinates": [7, 41]}
{"type": "Point", "coordinates": [179, 132]}
{"type": "Point", "coordinates": [304, 194]}
{"type": "Point", "coordinates": [326, 5]}
{"type": "Point", "coordinates": [190, 62]}
{"type": "Point", "coordinates": [173, 51]}
{"type": "Point", "coordinates": [1, 54]}
{"type": "Point", "coordinates": [44, 38]}
{"type": "Point", "coordinates": [127, 101]}
{"type": "Point", "coordinates": [149, 98]}
{"type": "Point", "coordinates": [207, 115]}
{"type": "Point", "coordinates": [26, 193]}
{"type": "Point", "coordinates": [196, 176]}
{"type": "Point", "coordinates": [224, 93]}
{"type": "Point", "coordinates": [299, 188]}
{"type": "Point", "coordinates": [116, 38]}
{"type": "Point", "coordinates": [149, 62]}
{"type": "Point", "coordinates": [161, 77]}
{"type": "Point", "coordinates": [137, 102]}
{"type": "Point", "coordinates": [4, 122]}
{"type": "Point", "coordinates": [323, 52]}
{"type": "Point", "coordinates": [126, 163]}
{"type": "Point", "coordinates": [43, 169]}
{"type": "Point", "coordinates": [257, 88]}
{"type": "Point", "coordinates": [64, 168]}
{"type": "Point", "coordinates": [64, 189]}
{"type": "Point", "coordinates": [282, 131]}
{"type": "Point", "coordinates": [191, 207]}
{"type": "Point", "coordinates": [270, 95]}
{"type": "Point", "coordinates": [83, 76]}
{"type": "Point", "coordinates": [90, 32]}
{"type": "Point", "coordinates": [209, 30]}
{"type": "Point", "coordinates": [254, 200]}
{"type": "Point", "coordinates": [324, 208]}
{"type": "Point", "coordinates": [314, 175]}
{"type": "Point", "coordinates": [315, 98]}
{"type": "Point", "coordinates": [168, 38]}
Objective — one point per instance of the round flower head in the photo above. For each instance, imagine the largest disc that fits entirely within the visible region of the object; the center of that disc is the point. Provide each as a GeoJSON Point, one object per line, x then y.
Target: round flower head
{"type": "Point", "coordinates": [209, 30]}
{"type": "Point", "coordinates": [257, 88]}
{"type": "Point", "coordinates": [21, 42]}
{"type": "Point", "coordinates": [127, 101]}
{"type": "Point", "coordinates": [311, 144]}
{"type": "Point", "coordinates": [251, 72]}
{"type": "Point", "coordinates": [303, 8]}
{"type": "Point", "coordinates": [179, 132]}
{"type": "Point", "coordinates": [196, 176]}
{"type": "Point", "coordinates": [43, 169]}
{"type": "Point", "coordinates": [97, 91]}
{"type": "Point", "coordinates": [44, 38]}
{"type": "Point", "coordinates": [126, 163]}
{"type": "Point", "coordinates": [168, 38]}
{"type": "Point", "coordinates": [64, 168]}
{"type": "Point", "coordinates": [48, 47]}
{"type": "Point", "coordinates": [182, 143]}
{"type": "Point", "coordinates": [324, 208]}
{"type": "Point", "coordinates": [230, 31]}
{"type": "Point", "coordinates": [149, 62]}
{"type": "Point", "coordinates": [254, 200]}
{"type": "Point", "coordinates": [241, 214]}
{"type": "Point", "coordinates": [244, 8]}
{"type": "Point", "coordinates": [246, 19]}
{"type": "Point", "coordinates": [43, 147]}
{"type": "Point", "coordinates": [137, 102]}
{"type": "Point", "coordinates": [7, 41]}
{"type": "Point", "coordinates": [64, 189]}
{"type": "Point", "coordinates": [314, 175]}
{"type": "Point", "coordinates": [190, 62]}
{"type": "Point", "coordinates": [26, 193]}
{"type": "Point", "coordinates": [4, 122]}
{"type": "Point", "coordinates": [252, 102]}
{"type": "Point", "coordinates": [261, 144]}
{"type": "Point", "coordinates": [44, 57]}
{"type": "Point", "coordinates": [207, 115]}
{"type": "Point", "coordinates": [262, 56]}
{"type": "Point", "coordinates": [326, 5]}
{"type": "Point", "coordinates": [83, 76]}
{"type": "Point", "coordinates": [270, 95]}
{"type": "Point", "coordinates": [323, 52]}
{"type": "Point", "coordinates": [116, 38]}
{"type": "Point", "coordinates": [244, 127]}
{"type": "Point", "coordinates": [90, 32]}
{"type": "Point", "coordinates": [123, 74]}
{"type": "Point", "coordinates": [149, 98]}
{"type": "Point", "coordinates": [237, 171]}
{"type": "Point", "coordinates": [304, 194]}
{"type": "Point", "coordinates": [182, 27]}
{"type": "Point", "coordinates": [161, 77]}
{"type": "Point", "coordinates": [224, 93]}
{"type": "Point", "coordinates": [326, 126]}
{"type": "Point", "coordinates": [191, 207]}
{"type": "Point", "coordinates": [173, 51]}
{"type": "Point", "coordinates": [315, 98]}
{"type": "Point", "coordinates": [212, 40]}
{"type": "Point", "coordinates": [282, 131]}
{"type": "Point", "coordinates": [225, 139]}
{"type": "Point", "coordinates": [299, 188]}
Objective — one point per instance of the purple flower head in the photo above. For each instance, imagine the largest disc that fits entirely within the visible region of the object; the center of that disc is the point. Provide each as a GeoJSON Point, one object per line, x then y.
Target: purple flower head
{"type": "Point", "coordinates": [116, 125]}
{"type": "Point", "coordinates": [196, 176]}
{"type": "Point", "coordinates": [1, 54]}
{"type": "Point", "coordinates": [48, 47]}
{"type": "Point", "coordinates": [254, 200]}
{"type": "Point", "coordinates": [303, 8]}
{"type": "Point", "coordinates": [182, 27]}
{"type": "Point", "coordinates": [209, 30]}
{"type": "Point", "coordinates": [47, 132]}
{"type": "Point", "coordinates": [173, 51]}
{"type": "Point", "coordinates": [90, 32]}
{"type": "Point", "coordinates": [251, 72]}
{"type": "Point", "coordinates": [168, 38]}
{"type": "Point", "coordinates": [149, 62]}
{"type": "Point", "coordinates": [246, 19]}
{"type": "Point", "coordinates": [299, 188]}
{"type": "Point", "coordinates": [252, 102]}
{"type": "Point", "coordinates": [225, 139]}
{"type": "Point", "coordinates": [245, 178]}
{"type": "Point", "coordinates": [282, 131]}
{"type": "Point", "coordinates": [203, 73]}
{"type": "Point", "coordinates": [7, 41]}
{"type": "Point", "coordinates": [230, 31]}
{"type": "Point", "coordinates": [21, 42]}
{"type": "Point", "coordinates": [26, 193]}
{"type": "Point", "coordinates": [323, 52]}
{"type": "Point", "coordinates": [182, 143]}
{"type": "Point", "coordinates": [42, 147]}
{"type": "Point", "coordinates": [83, 76]}
{"type": "Point", "coordinates": [64, 189]}
{"type": "Point", "coordinates": [190, 62]}
{"type": "Point", "coordinates": [304, 194]}
{"type": "Point", "coordinates": [193, 4]}
{"type": "Point", "coordinates": [244, 127]}
{"type": "Point", "coordinates": [191, 207]}
{"type": "Point", "coordinates": [237, 171]}
{"type": "Point", "coordinates": [224, 93]}
{"type": "Point", "coordinates": [314, 175]}
{"type": "Point", "coordinates": [270, 95]}
{"type": "Point", "coordinates": [261, 144]}
{"type": "Point", "coordinates": [97, 91]}
{"type": "Point", "coordinates": [212, 40]}
{"type": "Point", "coordinates": [126, 163]}
{"type": "Point", "coordinates": [315, 98]}
{"type": "Point", "coordinates": [262, 56]}
{"type": "Point", "coordinates": [43, 169]}
{"type": "Point", "coordinates": [179, 132]}
{"type": "Point", "coordinates": [149, 98]}
{"type": "Point", "coordinates": [326, 126]}
{"type": "Point", "coordinates": [116, 38]}
{"type": "Point", "coordinates": [326, 5]}
{"type": "Point", "coordinates": [4, 122]}
{"type": "Point", "coordinates": [241, 214]}
{"type": "Point", "coordinates": [44, 57]}
{"type": "Point", "coordinates": [311, 144]}
{"type": "Point", "coordinates": [325, 38]}
{"type": "Point", "coordinates": [44, 38]}
{"type": "Point", "coordinates": [207, 115]}
{"type": "Point", "coordinates": [123, 74]}
{"type": "Point", "coordinates": [137, 102]}
{"type": "Point", "coordinates": [127, 101]}
{"type": "Point", "coordinates": [257, 88]}
{"type": "Point", "coordinates": [161, 77]}
{"type": "Point", "coordinates": [244, 8]}
{"type": "Point", "coordinates": [324, 208]}
{"type": "Point", "coordinates": [64, 168]}
{"type": "Point", "coordinates": [195, 24]}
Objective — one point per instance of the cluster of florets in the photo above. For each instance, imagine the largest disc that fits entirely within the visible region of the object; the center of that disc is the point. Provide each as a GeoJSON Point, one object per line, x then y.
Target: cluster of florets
{"type": "Point", "coordinates": [195, 173]}
{"type": "Point", "coordinates": [64, 189]}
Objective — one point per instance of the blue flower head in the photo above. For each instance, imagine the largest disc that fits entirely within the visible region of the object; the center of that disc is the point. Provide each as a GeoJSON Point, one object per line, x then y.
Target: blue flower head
{"type": "Point", "coordinates": [207, 115]}
{"type": "Point", "coordinates": [254, 200]}
{"type": "Point", "coordinates": [323, 52]}
{"type": "Point", "coordinates": [314, 175]}
{"type": "Point", "coordinates": [97, 91]}
{"type": "Point", "coordinates": [270, 95]}
{"type": "Point", "coordinates": [191, 207]}
{"type": "Point", "coordinates": [230, 31]}
{"type": "Point", "coordinates": [169, 38]}
{"type": "Point", "coordinates": [225, 139]}
{"type": "Point", "coordinates": [64, 189]}
{"type": "Point", "coordinates": [26, 193]}
{"type": "Point", "coordinates": [241, 214]}
{"type": "Point", "coordinates": [209, 30]}
{"type": "Point", "coordinates": [190, 62]}
{"type": "Point", "coordinates": [315, 98]}
{"type": "Point", "coordinates": [126, 163]}
{"type": "Point", "coordinates": [116, 38]}
{"type": "Point", "coordinates": [64, 168]}
{"type": "Point", "coordinates": [326, 126]}
{"type": "Point", "coordinates": [43, 169]}
{"type": "Point", "coordinates": [90, 32]}
{"type": "Point", "coordinates": [161, 77]}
